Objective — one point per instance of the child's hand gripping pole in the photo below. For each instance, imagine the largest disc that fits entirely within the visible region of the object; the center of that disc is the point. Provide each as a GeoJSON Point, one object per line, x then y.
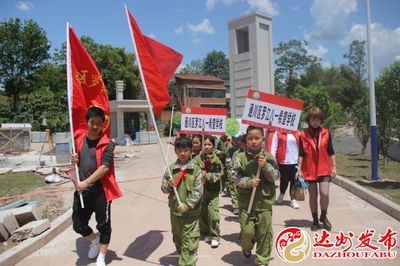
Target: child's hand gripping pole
{"type": "Point", "coordinates": [75, 176]}
{"type": "Point", "coordinates": [80, 193]}
{"type": "Point", "coordinates": [253, 192]}
{"type": "Point", "coordinates": [174, 187]}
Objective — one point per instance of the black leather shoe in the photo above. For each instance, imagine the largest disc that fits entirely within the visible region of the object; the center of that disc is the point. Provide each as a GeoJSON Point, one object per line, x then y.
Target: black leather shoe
{"type": "Point", "coordinates": [326, 224]}
{"type": "Point", "coordinates": [315, 226]}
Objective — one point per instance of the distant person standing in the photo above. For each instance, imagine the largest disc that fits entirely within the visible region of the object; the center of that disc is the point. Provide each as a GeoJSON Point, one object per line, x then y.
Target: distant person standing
{"type": "Point", "coordinates": [285, 149]}
{"type": "Point", "coordinates": [317, 165]}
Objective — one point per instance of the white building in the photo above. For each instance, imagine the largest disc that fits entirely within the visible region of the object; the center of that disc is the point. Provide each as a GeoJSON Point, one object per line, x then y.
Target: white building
{"type": "Point", "coordinates": [250, 58]}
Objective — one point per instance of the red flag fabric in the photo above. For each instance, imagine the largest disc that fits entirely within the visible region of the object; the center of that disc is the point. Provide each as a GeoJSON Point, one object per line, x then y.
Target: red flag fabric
{"type": "Point", "coordinates": [87, 86]}
{"type": "Point", "coordinates": [86, 89]}
{"type": "Point", "coordinates": [158, 63]}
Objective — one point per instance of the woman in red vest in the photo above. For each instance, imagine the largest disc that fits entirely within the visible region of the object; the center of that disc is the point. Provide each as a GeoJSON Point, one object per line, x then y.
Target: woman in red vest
{"type": "Point", "coordinates": [285, 148]}
{"type": "Point", "coordinates": [317, 165]}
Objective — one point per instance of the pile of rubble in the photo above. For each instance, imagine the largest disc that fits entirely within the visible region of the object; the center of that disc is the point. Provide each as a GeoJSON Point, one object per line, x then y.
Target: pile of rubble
{"type": "Point", "coordinates": [21, 220]}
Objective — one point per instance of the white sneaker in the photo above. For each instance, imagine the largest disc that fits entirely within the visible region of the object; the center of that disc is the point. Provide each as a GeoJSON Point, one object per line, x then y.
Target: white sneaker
{"type": "Point", "coordinates": [280, 198]}
{"type": "Point", "coordinates": [100, 263]}
{"type": "Point", "coordinates": [94, 248]}
{"type": "Point", "coordinates": [294, 204]}
{"type": "Point", "coordinates": [214, 243]}
{"type": "Point", "coordinates": [101, 260]}
{"type": "Point", "coordinates": [207, 239]}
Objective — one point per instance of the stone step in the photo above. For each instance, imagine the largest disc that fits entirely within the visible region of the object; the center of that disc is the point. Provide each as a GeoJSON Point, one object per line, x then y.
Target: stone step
{"type": "Point", "coordinates": [31, 229]}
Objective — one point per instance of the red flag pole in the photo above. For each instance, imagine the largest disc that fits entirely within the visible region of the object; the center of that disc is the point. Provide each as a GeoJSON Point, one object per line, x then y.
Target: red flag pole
{"type": "Point", "coordinates": [69, 93]}
{"type": "Point", "coordinates": [150, 106]}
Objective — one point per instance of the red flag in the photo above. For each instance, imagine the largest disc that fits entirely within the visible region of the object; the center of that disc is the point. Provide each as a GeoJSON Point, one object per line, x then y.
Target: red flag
{"type": "Point", "coordinates": [158, 63]}
{"type": "Point", "coordinates": [86, 85]}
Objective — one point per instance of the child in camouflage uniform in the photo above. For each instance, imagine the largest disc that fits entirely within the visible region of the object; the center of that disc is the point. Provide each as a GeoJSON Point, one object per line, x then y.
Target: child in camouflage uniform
{"type": "Point", "coordinates": [256, 227]}
{"type": "Point", "coordinates": [184, 216]}
{"type": "Point", "coordinates": [196, 142]}
{"type": "Point", "coordinates": [229, 171]}
{"type": "Point", "coordinates": [211, 167]}
{"type": "Point", "coordinates": [223, 144]}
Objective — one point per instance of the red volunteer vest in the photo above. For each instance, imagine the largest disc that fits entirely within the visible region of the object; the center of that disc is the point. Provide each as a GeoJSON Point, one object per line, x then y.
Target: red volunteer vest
{"type": "Point", "coordinates": [269, 141]}
{"type": "Point", "coordinates": [110, 186]}
{"type": "Point", "coordinates": [316, 160]}
{"type": "Point", "coordinates": [281, 145]}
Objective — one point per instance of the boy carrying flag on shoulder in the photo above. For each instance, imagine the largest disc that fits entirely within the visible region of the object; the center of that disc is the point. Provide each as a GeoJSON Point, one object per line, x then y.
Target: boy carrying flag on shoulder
{"type": "Point", "coordinates": [184, 216]}
{"type": "Point", "coordinates": [256, 227]}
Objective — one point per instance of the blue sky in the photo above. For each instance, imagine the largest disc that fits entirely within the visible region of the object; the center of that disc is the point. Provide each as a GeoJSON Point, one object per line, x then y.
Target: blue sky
{"type": "Point", "coordinates": [195, 27]}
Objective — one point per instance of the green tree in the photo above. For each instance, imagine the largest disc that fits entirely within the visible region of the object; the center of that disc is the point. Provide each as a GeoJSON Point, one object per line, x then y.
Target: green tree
{"type": "Point", "coordinates": [314, 75]}
{"type": "Point", "coordinates": [357, 63]}
{"type": "Point", "coordinates": [215, 63]}
{"type": "Point", "coordinates": [23, 50]}
{"type": "Point", "coordinates": [45, 104]}
{"type": "Point", "coordinates": [356, 57]}
{"type": "Point", "coordinates": [194, 67]}
{"type": "Point", "coordinates": [318, 96]}
{"type": "Point", "coordinates": [362, 121]}
{"type": "Point", "coordinates": [50, 77]}
{"type": "Point", "coordinates": [176, 120]}
{"type": "Point", "coordinates": [388, 106]}
{"type": "Point", "coordinates": [49, 99]}
{"type": "Point", "coordinates": [292, 60]}
{"type": "Point", "coordinates": [353, 88]}
{"type": "Point", "coordinates": [5, 113]}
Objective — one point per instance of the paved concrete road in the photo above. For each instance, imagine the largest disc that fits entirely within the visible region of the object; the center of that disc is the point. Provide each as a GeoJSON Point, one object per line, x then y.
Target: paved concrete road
{"type": "Point", "coordinates": [141, 227]}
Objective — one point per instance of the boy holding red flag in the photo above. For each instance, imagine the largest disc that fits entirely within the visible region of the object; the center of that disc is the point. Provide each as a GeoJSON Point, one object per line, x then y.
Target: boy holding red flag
{"type": "Point", "coordinates": [95, 153]}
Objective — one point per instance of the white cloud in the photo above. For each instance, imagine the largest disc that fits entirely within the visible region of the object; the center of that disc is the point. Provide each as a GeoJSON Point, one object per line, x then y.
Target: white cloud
{"type": "Point", "coordinates": [295, 8]}
{"type": "Point", "coordinates": [24, 6]}
{"type": "Point", "coordinates": [152, 35]}
{"type": "Point", "coordinates": [385, 43]}
{"type": "Point", "coordinates": [331, 17]}
{"type": "Point", "coordinates": [178, 30]}
{"type": "Point", "coordinates": [210, 4]}
{"type": "Point", "coordinates": [196, 40]}
{"type": "Point", "coordinates": [266, 6]}
{"type": "Point", "coordinates": [319, 52]}
{"type": "Point", "coordinates": [205, 27]}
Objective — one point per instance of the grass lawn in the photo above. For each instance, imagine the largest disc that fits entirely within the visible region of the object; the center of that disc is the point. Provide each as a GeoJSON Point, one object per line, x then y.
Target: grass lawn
{"type": "Point", "coordinates": [357, 168]}
{"type": "Point", "coordinates": [18, 183]}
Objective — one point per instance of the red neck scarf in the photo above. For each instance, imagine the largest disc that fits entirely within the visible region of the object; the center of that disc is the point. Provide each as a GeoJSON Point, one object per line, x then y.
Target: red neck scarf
{"type": "Point", "coordinates": [181, 175]}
